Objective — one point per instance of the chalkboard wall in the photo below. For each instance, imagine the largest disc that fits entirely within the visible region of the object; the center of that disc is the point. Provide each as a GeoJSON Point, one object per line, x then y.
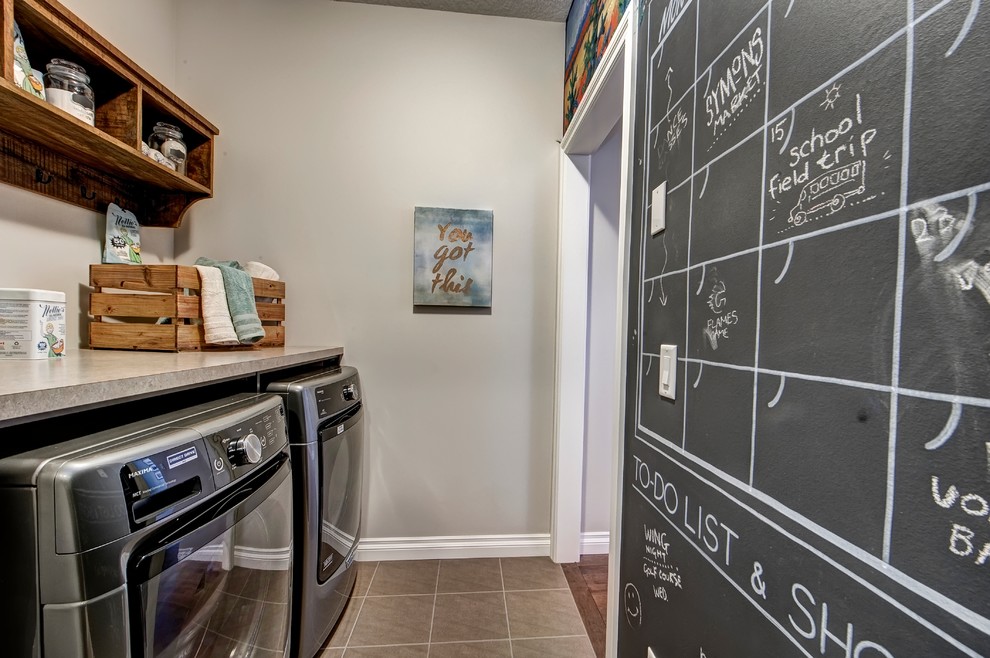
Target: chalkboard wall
{"type": "Point", "coordinates": [820, 486]}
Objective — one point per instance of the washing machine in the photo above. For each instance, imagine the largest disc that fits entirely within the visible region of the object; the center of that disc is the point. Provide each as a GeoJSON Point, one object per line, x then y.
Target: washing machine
{"type": "Point", "coordinates": [326, 436]}
{"type": "Point", "coordinates": [167, 537]}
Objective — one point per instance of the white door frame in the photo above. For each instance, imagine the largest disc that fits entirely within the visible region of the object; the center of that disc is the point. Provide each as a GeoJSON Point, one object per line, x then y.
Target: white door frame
{"type": "Point", "coordinates": [609, 98]}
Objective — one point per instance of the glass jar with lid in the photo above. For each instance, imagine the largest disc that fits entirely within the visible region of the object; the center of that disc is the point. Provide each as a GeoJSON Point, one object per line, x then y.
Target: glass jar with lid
{"type": "Point", "coordinates": [167, 140]}
{"type": "Point", "coordinates": [67, 87]}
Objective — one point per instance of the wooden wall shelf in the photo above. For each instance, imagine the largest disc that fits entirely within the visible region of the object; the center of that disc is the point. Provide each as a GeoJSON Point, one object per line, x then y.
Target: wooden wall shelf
{"type": "Point", "coordinates": [46, 150]}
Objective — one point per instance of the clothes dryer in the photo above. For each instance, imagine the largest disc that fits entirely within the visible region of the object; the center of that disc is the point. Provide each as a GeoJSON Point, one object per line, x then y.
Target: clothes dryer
{"type": "Point", "coordinates": [326, 435]}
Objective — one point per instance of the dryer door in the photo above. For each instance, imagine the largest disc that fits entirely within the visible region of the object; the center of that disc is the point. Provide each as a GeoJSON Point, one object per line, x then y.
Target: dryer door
{"type": "Point", "coordinates": [341, 441]}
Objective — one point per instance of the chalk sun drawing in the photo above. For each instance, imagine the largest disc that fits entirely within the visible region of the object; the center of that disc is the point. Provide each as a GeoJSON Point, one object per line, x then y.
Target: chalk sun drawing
{"type": "Point", "coordinates": [831, 95]}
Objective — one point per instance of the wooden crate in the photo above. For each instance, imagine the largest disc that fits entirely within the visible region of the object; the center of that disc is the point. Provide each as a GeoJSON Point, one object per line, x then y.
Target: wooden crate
{"type": "Point", "coordinates": [136, 295]}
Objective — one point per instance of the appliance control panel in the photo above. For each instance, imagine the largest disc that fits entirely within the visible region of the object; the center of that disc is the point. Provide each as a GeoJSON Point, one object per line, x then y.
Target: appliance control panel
{"type": "Point", "coordinates": [335, 396]}
{"type": "Point", "coordinates": [108, 484]}
{"type": "Point", "coordinates": [239, 448]}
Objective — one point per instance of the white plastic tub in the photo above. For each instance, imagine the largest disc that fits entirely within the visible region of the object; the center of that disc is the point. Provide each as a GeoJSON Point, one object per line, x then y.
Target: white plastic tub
{"type": "Point", "coordinates": [32, 323]}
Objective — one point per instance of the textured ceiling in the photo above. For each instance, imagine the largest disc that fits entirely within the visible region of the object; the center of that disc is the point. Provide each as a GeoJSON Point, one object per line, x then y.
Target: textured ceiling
{"type": "Point", "coordinates": [539, 10]}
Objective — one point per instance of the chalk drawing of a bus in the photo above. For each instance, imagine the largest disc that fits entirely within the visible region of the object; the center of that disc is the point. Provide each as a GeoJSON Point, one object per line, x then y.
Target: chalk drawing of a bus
{"type": "Point", "coordinates": [827, 193]}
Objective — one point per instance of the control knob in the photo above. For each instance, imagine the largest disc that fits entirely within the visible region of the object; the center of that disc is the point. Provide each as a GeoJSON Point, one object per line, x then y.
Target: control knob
{"type": "Point", "coordinates": [349, 392]}
{"type": "Point", "coordinates": [245, 450]}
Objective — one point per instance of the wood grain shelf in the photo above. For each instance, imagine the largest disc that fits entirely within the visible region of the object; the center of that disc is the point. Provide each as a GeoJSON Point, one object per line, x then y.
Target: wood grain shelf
{"type": "Point", "coordinates": [48, 151]}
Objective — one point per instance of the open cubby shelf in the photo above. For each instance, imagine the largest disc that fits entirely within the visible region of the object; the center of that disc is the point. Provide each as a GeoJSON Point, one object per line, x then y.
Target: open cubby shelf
{"type": "Point", "coordinates": [48, 151]}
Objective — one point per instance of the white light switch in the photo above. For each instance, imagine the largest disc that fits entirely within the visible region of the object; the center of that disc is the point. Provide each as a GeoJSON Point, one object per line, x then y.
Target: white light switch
{"type": "Point", "coordinates": [658, 209]}
{"type": "Point", "coordinates": [668, 371]}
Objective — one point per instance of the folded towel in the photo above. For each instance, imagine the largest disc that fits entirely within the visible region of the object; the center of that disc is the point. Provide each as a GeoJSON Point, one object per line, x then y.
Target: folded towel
{"type": "Point", "coordinates": [260, 270]}
{"type": "Point", "coordinates": [240, 300]}
{"type": "Point", "coordinates": [217, 326]}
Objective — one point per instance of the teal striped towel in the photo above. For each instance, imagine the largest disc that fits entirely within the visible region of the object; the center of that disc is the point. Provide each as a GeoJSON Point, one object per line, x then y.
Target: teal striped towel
{"type": "Point", "coordinates": [240, 299]}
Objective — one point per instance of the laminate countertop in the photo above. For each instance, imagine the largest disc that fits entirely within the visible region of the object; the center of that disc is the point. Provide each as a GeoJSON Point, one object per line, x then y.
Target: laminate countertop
{"type": "Point", "coordinates": [85, 378]}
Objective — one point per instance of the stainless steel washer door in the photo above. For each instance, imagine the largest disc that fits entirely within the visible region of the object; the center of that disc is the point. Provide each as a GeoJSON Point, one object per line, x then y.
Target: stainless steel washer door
{"type": "Point", "coordinates": [218, 583]}
{"type": "Point", "coordinates": [340, 485]}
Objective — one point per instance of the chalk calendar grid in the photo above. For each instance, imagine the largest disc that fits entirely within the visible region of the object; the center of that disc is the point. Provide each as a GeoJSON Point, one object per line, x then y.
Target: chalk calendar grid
{"type": "Point", "coordinates": [820, 274]}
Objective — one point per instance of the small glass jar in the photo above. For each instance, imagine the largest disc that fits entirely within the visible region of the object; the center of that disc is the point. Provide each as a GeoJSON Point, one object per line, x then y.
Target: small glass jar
{"type": "Point", "coordinates": [167, 140]}
{"type": "Point", "coordinates": [67, 87]}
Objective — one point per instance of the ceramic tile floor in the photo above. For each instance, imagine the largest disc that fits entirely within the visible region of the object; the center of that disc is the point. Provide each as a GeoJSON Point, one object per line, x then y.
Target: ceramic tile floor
{"type": "Point", "coordinates": [472, 608]}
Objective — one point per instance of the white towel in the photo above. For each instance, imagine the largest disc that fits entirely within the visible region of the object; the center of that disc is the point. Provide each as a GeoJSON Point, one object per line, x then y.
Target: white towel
{"type": "Point", "coordinates": [217, 327]}
{"type": "Point", "coordinates": [260, 270]}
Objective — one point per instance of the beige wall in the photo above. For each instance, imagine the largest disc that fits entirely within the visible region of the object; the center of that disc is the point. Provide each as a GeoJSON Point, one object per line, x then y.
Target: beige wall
{"type": "Point", "coordinates": [49, 244]}
{"type": "Point", "coordinates": [336, 120]}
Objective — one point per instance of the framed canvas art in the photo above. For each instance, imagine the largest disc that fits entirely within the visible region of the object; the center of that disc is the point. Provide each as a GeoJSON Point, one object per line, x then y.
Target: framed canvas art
{"type": "Point", "coordinates": [452, 257]}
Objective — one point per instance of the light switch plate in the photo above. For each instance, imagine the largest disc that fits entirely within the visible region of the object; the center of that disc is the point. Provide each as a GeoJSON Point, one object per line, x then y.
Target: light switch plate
{"type": "Point", "coordinates": [668, 371]}
{"type": "Point", "coordinates": [658, 209]}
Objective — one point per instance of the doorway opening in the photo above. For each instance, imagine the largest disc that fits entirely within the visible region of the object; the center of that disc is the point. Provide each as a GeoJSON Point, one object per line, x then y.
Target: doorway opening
{"type": "Point", "coordinates": [595, 189]}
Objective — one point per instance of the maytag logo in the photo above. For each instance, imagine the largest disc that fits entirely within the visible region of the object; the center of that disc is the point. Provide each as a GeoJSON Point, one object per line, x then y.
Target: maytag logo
{"type": "Point", "coordinates": [143, 471]}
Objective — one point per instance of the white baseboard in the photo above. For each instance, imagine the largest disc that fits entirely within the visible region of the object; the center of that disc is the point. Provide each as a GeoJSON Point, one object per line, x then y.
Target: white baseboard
{"type": "Point", "coordinates": [433, 548]}
{"type": "Point", "coordinates": [450, 548]}
{"type": "Point", "coordinates": [594, 543]}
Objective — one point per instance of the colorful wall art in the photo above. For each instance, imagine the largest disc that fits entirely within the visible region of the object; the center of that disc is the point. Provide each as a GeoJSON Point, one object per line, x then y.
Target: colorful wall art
{"type": "Point", "coordinates": [452, 263]}
{"type": "Point", "coordinates": [590, 26]}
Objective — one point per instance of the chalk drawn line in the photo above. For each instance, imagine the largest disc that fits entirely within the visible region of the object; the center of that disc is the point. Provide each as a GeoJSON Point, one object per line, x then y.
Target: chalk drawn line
{"type": "Point", "coordinates": [670, 29]}
{"type": "Point", "coordinates": [671, 96]}
{"type": "Point", "coordinates": [976, 189]}
{"type": "Point", "coordinates": [638, 331]}
{"type": "Point", "coordinates": [787, 263]}
{"type": "Point", "coordinates": [895, 367]}
{"type": "Point", "coordinates": [780, 392]}
{"type": "Point", "coordinates": [759, 256]}
{"type": "Point", "coordinates": [701, 367]}
{"type": "Point", "coordinates": [950, 428]}
{"type": "Point", "coordinates": [666, 254]}
{"type": "Point", "coordinates": [704, 186]}
{"type": "Point", "coordinates": [966, 400]}
{"type": "Point", "coordinates": [790, 130]}
{"type": "Point", "coordinates": [694, 145]}
{"type": "Point", "coordinates": [974, 9]}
